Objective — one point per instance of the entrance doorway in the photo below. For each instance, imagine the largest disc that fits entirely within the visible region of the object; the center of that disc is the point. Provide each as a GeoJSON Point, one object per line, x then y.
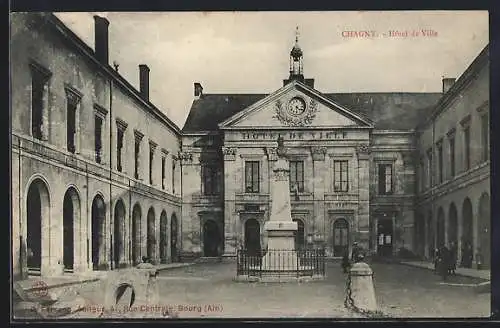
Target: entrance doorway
{"type": "Point", "coordinates": [211, 239]}
{"type": "Point", "coordinates": [151, 238]}
{"type": "Point", "coordinates": [299, 234]}
{"type": "Point", "coordinates": [173, 238]}
{"type": "Point", "coordinates": [440, 228]}
{"type": "Point", "coordinates": [136, 234]}
{"type": "Point", "coordinates": [38, 207]}
{"type": "Point", "coordinates": [484, 230]}
{"type": "Point", "coordinates": [163, 237]}
{"type": "Point", "coordinates": [340, 237]}
{"type": "Point", "coordinates": [384, 237]}
{"type": "Point", "coordinates": [71, 212]}
{"type": "Point", "coordinates": [252, 237]}
{"type": "Point", "coordinates": [119, 235]}
{"type": "Point", "coordinates": [467, 252]}
{"type": "Point", "coordinates": [98, 230]}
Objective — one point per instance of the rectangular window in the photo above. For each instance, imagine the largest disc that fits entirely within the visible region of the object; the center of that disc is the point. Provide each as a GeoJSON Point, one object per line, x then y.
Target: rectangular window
{"type": "Point", "coordinates": [119, 146]}
{"type": "Point", "coordinates": [467, 147]}
{"type": "Point", "coordinates": [151, 158]}
{"type": "Point", "coordinates": [252, 177]}
{"type": "Point", "coordinates": [211, 179]}
{"type": "Point", "coordinates": [37, 105]}
{"type": "Point", "coordinates": [430, 166]}
{"type": "Point", "coordinates": [98, 138]}
{"type": "Point", "coordinates": [485, 137]}
{"type": "Point", "coordinates": [173, 176]}
{"type": "Point", "coordinates": [452, 156]}
{"type": "Point", "coordinates": [340, 176]}
{"type": "Point", "coordinates": [71, 126]}
{"type": "Point", "coordinates": [163, 173]}
{"type": "Point", "coordinates": [297, 176]}
{"type": "Point", "coordinates": [385, 179]}
{"type": "Point", "coordinates": [137, 149]}
{"type": "Point", "coordinates": [440, 161]}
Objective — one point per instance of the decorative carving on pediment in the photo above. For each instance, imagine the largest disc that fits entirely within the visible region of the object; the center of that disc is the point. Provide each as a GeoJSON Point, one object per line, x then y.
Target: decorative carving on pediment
{"type": "Point", "coordinates": [363, 151]}
{"type": "Point", "coordinates": [287, 114]}
{"type": "Point", "coordinates": [272, 153]}
{"type": "Point", "coordinates": [229, 153]}
{"type": "Point", "coordinates": [318, 153]}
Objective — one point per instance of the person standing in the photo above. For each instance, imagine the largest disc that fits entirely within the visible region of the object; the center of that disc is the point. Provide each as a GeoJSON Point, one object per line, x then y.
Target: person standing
{"type": "Point", "coordinates": [453, 258]}
{"type": "Point", "coordinates": [355, 252]}
{"type": "Point", "coordinates": [445, 262]}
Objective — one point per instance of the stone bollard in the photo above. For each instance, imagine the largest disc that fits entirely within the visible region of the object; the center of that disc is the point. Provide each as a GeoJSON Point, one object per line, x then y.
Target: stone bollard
{"type": "Point", "coordinates": [142, 280]}
{"type": "Point", "coordinates": [362, 290]}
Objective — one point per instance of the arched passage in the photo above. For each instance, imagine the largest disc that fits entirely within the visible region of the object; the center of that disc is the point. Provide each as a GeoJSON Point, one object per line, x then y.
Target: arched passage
{"type": "Point", "coordinates": [430, 235]}
{"type": "Point", "coordinates": [71, 218]}
{"type": "Point", "coordinates": [38, 213]}
{"type": "Point", "coordinates": [163, 237]}
{"type": "Point", "coordinates": [136, 234]}
{"type": "Point", "coordinates": [340, 237]}
{"type": "Point", "coordinates": [484, 228]}
{"type": "Point", "coordinates": [173, 238]}
{"type": "Point", "coordinates": [467, 233]}
{"type": "Point", "coordinates": [452, 225]}
{"type": "Point", "coordinates": [151, 240]}
{"type": "Point", "coordinates": [119, 235]}
{"type": "Point", "coordinates": [98, 232]}
{"type": "Point", "coordinates": [252, 237]}
{"type": "Point", "coordinates": [299, 234]}
{"type": "Point", "coordinates": [440, 228]}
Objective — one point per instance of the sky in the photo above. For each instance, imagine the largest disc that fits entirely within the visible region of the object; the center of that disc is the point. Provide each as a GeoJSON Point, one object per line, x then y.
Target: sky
{"type": "Point", "coordinates": [248, 52]}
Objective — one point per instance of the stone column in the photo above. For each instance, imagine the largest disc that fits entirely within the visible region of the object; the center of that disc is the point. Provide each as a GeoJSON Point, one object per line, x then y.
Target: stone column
{"type": "Point", "coordinates": [320, 168]}
{"type": "Point", "coordinates": [230, 181]}
{"type": "Point", "coordinates": [363, 154]}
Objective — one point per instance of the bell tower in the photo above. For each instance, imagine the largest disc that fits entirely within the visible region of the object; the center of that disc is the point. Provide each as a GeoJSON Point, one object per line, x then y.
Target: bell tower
{"type": "Point", "coordinates": [296, 62]}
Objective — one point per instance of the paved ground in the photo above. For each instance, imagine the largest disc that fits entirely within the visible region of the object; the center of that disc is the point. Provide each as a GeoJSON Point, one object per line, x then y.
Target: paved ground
{"type": "Point", "coordinates": [207, 290]}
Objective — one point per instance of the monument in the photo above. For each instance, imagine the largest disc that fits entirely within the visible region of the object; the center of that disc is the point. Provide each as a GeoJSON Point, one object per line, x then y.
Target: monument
{"type": "Point", "coordinates": [280, 228]}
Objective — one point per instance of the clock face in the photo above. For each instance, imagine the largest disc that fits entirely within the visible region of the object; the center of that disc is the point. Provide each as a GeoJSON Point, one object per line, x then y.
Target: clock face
{"type": "Point", "coordinates": [296, 106]}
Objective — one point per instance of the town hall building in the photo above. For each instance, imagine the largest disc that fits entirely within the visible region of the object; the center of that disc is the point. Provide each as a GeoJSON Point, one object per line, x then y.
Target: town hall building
{"type": "Point", "coordinates": [101, 177]}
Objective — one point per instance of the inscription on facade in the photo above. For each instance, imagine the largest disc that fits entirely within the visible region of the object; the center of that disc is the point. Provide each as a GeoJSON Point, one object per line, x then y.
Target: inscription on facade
{"type": "Point", "coordinates": [301, 135]}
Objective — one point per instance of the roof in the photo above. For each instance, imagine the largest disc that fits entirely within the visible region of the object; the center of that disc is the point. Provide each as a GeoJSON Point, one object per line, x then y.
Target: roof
{"type": "Point", "coordinates": [388, 111]}
{"type": "Point", "coordinates": [80, 46]}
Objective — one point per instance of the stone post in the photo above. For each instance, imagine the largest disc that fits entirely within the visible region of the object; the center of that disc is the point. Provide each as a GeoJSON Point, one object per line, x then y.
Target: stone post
{"type": "Point", "coordinates": [362, 290]}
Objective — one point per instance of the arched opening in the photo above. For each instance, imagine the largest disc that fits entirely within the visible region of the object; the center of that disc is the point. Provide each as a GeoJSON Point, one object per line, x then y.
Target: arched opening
{"type": "Point", "coordinates": [71, 213]}
{"type": "Point", "coordinates": [484, 228]}
{"type": "Point", "coordinates": [98, 231]}
{"type": "Point", "coordinates": [430, 235]}
{"type": "Point", "coordinates": [452, 225]}
{"type": "Point", "coordinates": [467, 233]}
{"type": "Point", "coordinates": [124, 295]}
{"type": "Point", "coordinates": [252, 237]}
{"type": "Point", "coordinates": [211, 239]}
{"type": "Point", "coordinates": [136, 234]}
{"type": "Point", "coordinates": [299, 234]}
{"type": "Point", "coordinates": [163, 237]}
{"type": "Point", "coordinates": [173, 238]}
{"type": "Point", "coordinates": [38, 212]}
{"type": "Point", "coordinates": [440, 228]}
{"type": "Point", "coordinates": [119, 235]}
{"type": "Point", "coordinates": [340, 237]}
{"type": "Point", "coordinates": [151, 242]}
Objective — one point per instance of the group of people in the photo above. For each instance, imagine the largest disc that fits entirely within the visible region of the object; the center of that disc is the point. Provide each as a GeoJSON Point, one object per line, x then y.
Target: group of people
{"type": "Point", "coordinates": [357, 255]}
{"type": "Point", "coordinates": [445, 260]}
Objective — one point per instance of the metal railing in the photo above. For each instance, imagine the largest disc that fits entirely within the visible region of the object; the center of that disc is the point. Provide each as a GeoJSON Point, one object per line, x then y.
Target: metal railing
{"type": "Point", "coordinates": [276, 262]}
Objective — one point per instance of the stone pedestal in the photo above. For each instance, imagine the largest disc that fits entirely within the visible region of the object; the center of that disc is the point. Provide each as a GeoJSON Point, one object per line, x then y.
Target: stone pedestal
{"type": "Point", "coordinates": [362, 290]}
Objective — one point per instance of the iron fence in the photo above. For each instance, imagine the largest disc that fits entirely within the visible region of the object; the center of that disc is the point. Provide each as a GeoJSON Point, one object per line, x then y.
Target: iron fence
{"type": "Point", "coordinates": [276, 262]}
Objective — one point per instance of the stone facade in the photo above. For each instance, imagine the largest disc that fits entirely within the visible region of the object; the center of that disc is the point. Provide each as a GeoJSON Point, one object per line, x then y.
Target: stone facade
{"type": "Point", "coordinates": [69, 206]}
{"type": "Point", "coordinates": [453, 201]}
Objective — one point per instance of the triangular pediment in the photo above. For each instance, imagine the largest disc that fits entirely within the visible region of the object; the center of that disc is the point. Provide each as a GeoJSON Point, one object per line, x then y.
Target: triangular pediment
{"type": "Point", "coordinates": [295, 106]}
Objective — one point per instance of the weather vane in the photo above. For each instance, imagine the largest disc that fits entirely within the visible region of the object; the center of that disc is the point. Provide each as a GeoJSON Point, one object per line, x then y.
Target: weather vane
{"type": "Point", "coordinates": [297, 33]}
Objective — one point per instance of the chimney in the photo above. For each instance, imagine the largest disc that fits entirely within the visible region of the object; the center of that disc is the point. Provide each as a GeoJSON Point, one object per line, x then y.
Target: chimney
{"type": "Point", "coordinates": [198, 90]}
{"type": "Point", "coordinates": [101, 39]}
{"type": "Point", "coordinates": [144, 81]}
{"type": "Point", "coordinates": [447, 84]}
